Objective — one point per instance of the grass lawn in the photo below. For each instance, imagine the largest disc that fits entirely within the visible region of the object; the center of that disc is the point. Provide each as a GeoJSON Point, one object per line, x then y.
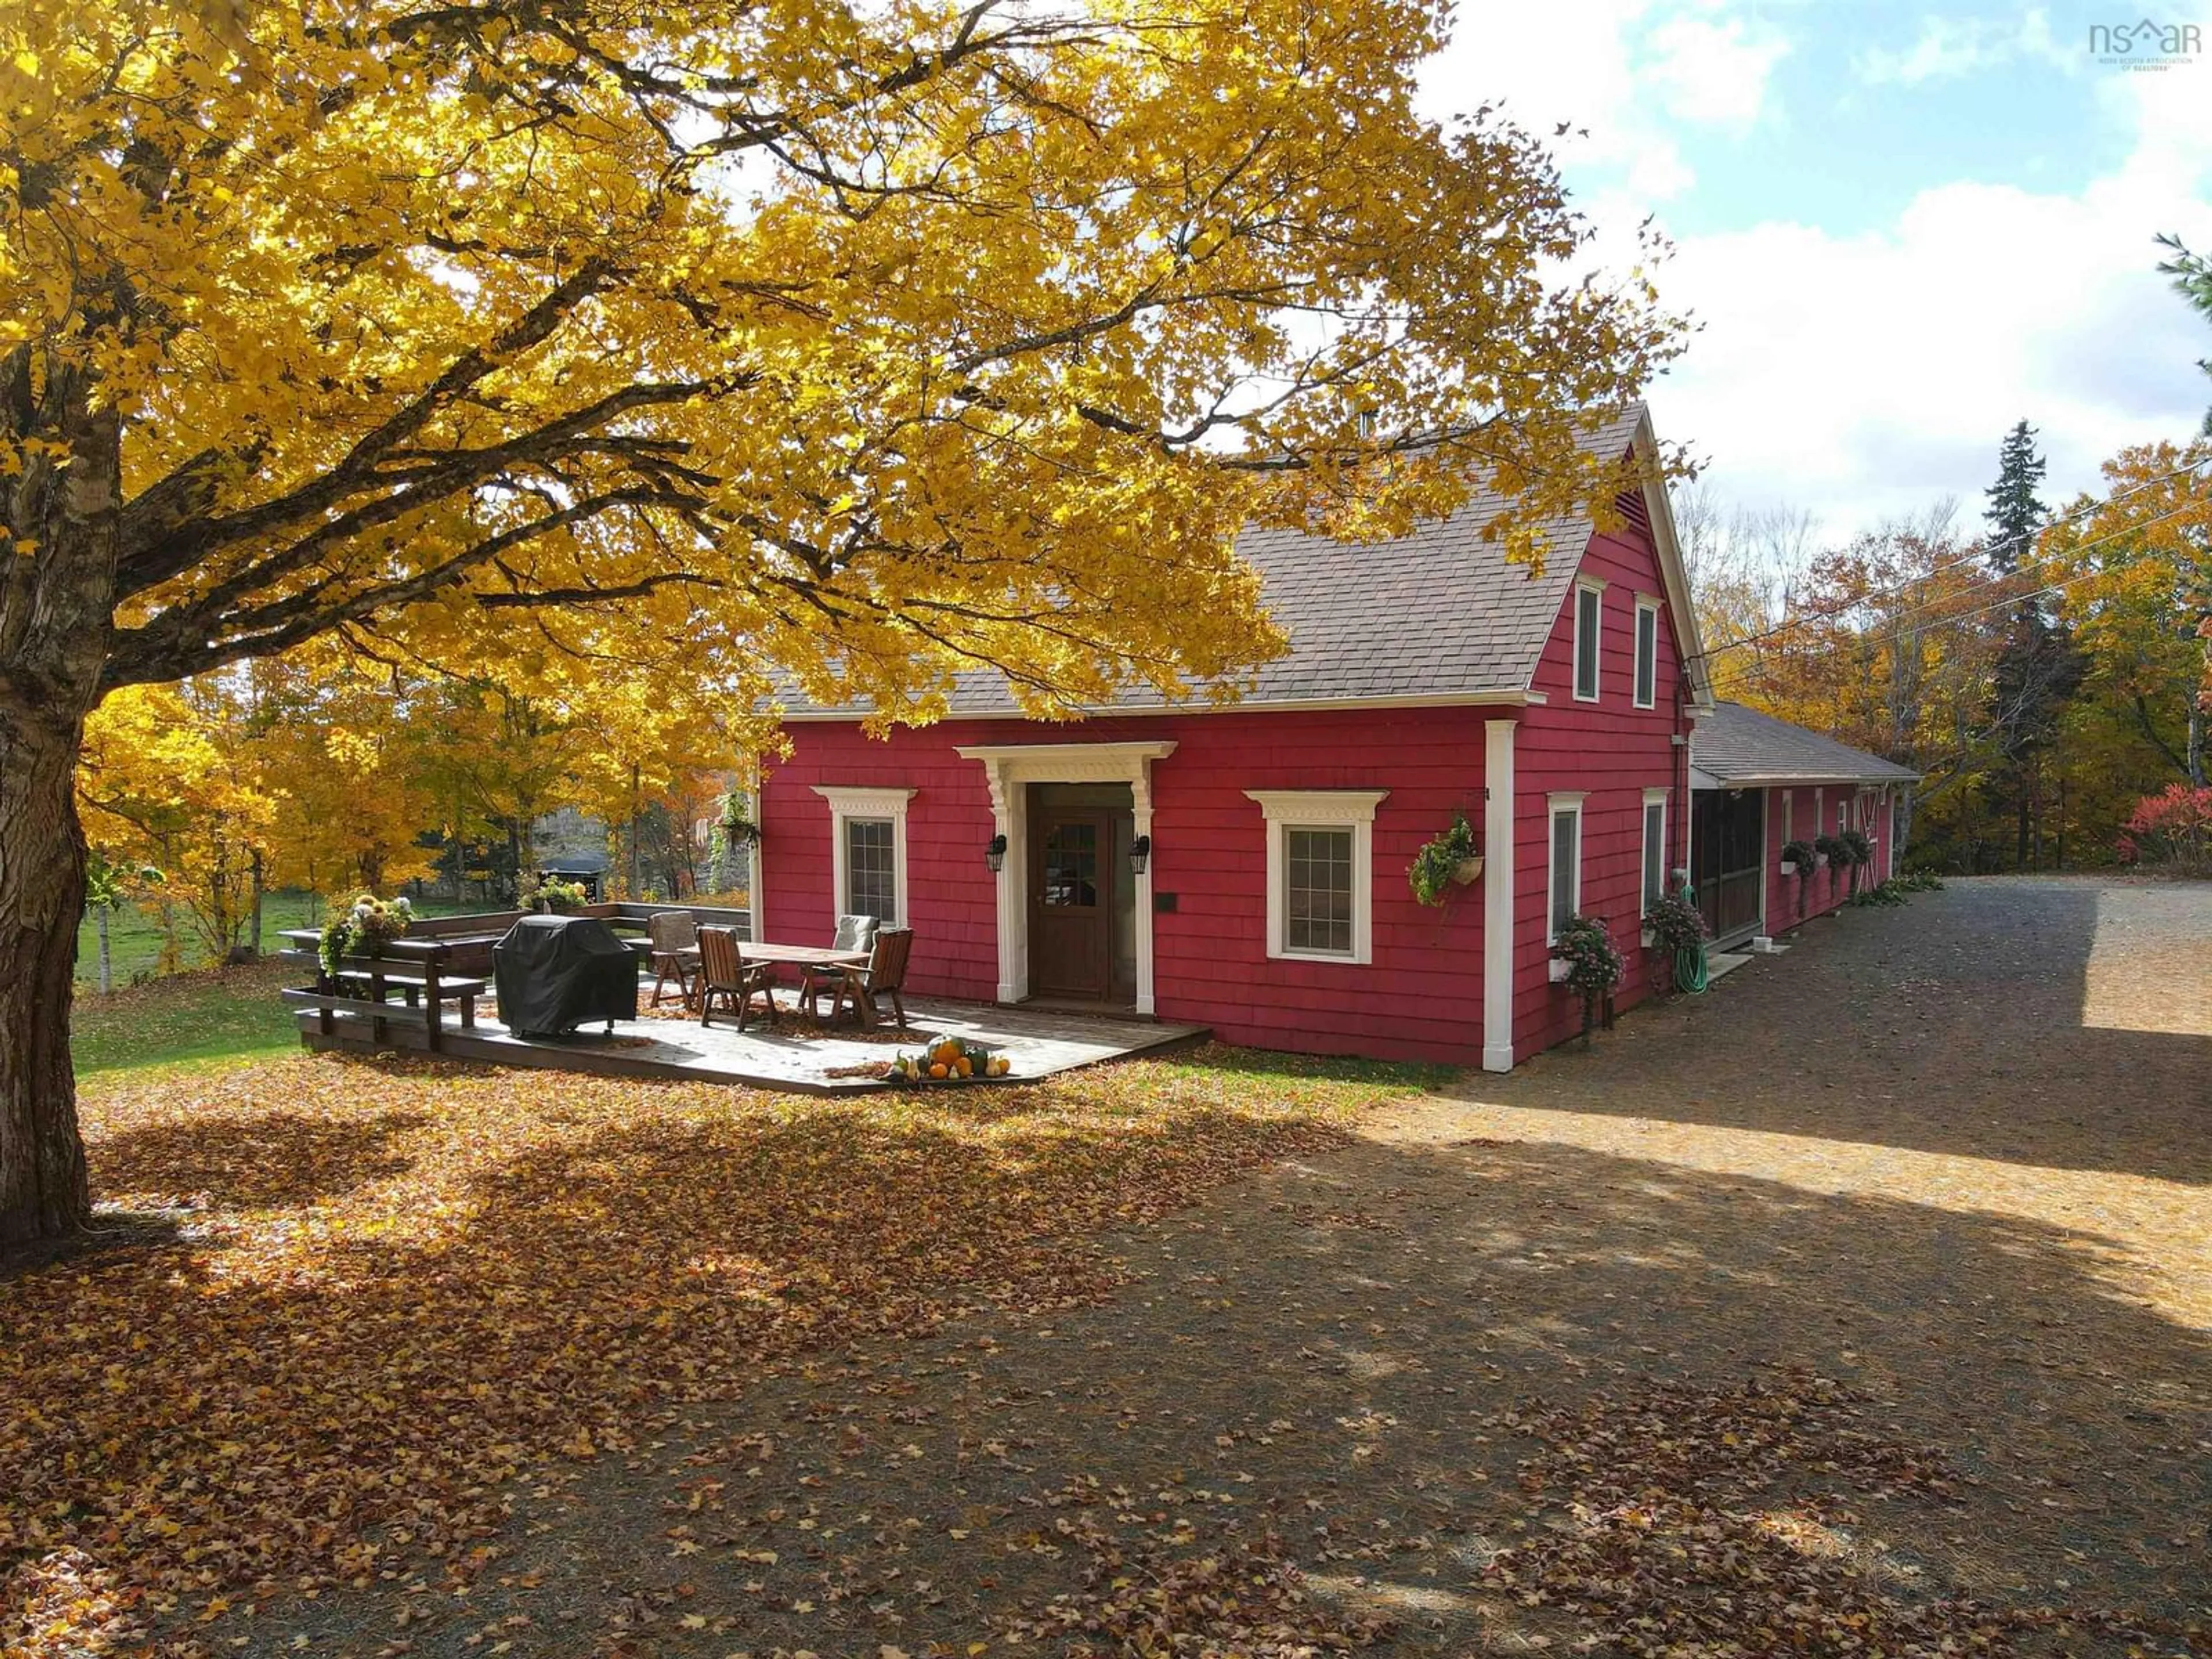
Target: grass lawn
{"type": "Point", "coordinates": [209, 1014]}
{"type": "Point", "coordinates": [350, 1300]}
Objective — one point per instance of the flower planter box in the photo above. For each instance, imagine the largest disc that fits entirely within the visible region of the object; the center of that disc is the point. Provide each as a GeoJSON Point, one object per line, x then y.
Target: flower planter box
{"type": "Point", "coordinates": [1790, 866]}
{"type": "Point", "coordinates": [1819, 861]}
{"type": "Point", "coordinates": [1558, 970]}
{"type": "Point", "coordinates": [1650, 936]}
{"type": "Point", "coordinates": [1467, 871]}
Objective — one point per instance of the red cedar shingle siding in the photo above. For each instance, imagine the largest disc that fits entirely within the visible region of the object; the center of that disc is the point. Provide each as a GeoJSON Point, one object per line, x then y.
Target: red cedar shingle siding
{"type": "Point", "coordinates": [1421, 998]}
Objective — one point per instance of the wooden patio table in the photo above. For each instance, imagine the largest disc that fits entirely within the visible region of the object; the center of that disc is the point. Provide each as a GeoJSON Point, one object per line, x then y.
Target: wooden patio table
{"type": "Point", "coordinates": [805, 956]}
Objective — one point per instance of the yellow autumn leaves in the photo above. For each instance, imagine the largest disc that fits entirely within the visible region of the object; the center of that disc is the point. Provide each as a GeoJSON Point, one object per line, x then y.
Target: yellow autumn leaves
{"type": "Point", "coordinates": [861, 344]}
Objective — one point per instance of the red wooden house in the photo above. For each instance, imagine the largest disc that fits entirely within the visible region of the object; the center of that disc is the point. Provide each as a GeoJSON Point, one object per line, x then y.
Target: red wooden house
{"type": "Point", "coordinates": [1244, 867]}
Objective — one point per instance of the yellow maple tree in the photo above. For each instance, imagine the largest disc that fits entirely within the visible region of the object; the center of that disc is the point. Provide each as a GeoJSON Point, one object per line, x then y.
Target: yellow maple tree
{"type": "Point", "coordinates": [850, 344]}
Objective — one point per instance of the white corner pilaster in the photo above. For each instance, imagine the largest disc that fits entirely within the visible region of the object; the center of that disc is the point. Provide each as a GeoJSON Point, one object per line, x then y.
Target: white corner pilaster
{"type": "Point", "coordinates": [1140, 796]}
{"type": "Point", "coordinates": [1498, 895]}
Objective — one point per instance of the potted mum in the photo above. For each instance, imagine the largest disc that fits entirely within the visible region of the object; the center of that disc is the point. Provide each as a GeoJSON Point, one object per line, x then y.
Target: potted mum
{"type": "Point", "coordinates": [562, 898]}
{"type": "Point", "coordinates": [363, 928]}
{"type": "Point", "coordinates": [1445, 860]}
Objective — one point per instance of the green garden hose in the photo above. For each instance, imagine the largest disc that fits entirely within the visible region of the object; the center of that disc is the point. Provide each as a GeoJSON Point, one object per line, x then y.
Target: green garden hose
{"type": "Point", "coordinates": [1690, 971]}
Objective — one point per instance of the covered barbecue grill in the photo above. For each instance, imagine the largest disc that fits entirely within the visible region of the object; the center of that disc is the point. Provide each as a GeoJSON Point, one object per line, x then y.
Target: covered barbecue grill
{"type": "Point", "coordinates": [553, 973]}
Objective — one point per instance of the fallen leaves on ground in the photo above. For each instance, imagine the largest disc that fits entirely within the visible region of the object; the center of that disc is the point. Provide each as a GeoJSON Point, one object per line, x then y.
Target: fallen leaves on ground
{"type": "Point", "coordinates": [1150, 1590]}
{"type": "Point", "coordinates": [1728, 1523]}
{"type": "Point", "coordinates": [395, 1287]}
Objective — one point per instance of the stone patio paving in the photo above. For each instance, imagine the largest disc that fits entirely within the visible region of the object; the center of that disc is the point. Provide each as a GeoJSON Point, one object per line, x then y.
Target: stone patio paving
{"type": "Point", "coordinates": [792, 1055]}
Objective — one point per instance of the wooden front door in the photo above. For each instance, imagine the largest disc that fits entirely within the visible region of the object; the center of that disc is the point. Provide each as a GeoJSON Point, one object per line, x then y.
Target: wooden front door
{"type": "Point", "coordinates": [1072, 903]}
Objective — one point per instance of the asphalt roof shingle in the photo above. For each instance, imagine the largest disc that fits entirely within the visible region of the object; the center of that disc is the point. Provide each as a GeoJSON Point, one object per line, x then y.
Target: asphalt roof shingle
{"type": "Point", "coordinates": [1434, 613]}
{"type": "Point", "coordinates": [1739, 745]}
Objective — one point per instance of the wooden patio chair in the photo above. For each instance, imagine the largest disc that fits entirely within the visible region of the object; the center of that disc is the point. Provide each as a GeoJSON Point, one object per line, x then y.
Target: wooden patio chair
{"type": "Point", "coordinates": [883, 976]}
{"type": "Point", "coordinates": [724, 973]}
{"type": "Point", "coordinates": [674, 937]}
{"type": "Point", "coordinates": [853, 933]}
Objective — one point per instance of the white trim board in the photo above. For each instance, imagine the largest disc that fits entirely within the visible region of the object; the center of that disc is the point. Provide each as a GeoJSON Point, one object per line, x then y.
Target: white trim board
{"type": "Point", "coordinates": [847, 802]}
{"type": "Point", "coordinates": [1321, 809]}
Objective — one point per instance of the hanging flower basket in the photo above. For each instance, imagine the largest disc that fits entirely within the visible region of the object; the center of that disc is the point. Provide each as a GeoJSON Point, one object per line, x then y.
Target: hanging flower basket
{"type": "Point", "coordinates": [1451, 859]}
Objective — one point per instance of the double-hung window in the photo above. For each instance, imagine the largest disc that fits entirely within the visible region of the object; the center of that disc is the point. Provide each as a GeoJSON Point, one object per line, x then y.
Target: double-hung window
{"type": "Point", "coordinates": [1565, 888]}
{"type": "Point", "coordinates": [1647, 651]}
{"type": "Point", "coordinates": [1321, 872]}
{"type": "Point", "coordinates": [1654, 847]}
{"type": "Point", "coordinates": [1589, 611]}
{"type": "Point", "coordinates": [867, 851]}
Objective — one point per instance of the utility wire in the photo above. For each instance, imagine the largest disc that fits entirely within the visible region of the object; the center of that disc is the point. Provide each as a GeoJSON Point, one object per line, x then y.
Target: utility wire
{"type": "Point", "coordinates": [2011, 602]}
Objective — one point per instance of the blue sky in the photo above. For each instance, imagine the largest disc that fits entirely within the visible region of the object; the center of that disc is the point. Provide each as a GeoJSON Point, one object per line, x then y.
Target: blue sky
{"type": "Point", "coordinates": [1902, 227]}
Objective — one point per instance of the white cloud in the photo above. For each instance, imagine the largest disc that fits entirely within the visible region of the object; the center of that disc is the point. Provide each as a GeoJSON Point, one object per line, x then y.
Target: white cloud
{"type": "Point", "coordinates": [1948, 47]}
{"type": "Point", "coordinates": [1714, 72]}
{"type": "Point", "coordinates": [1863, 375]}
{"type": "Point", "coordinates": [1620, 71]}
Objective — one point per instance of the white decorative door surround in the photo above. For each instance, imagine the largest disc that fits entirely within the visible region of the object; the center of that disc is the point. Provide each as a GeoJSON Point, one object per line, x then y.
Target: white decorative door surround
{"type": "Point", "coordinates": [1010, 768]}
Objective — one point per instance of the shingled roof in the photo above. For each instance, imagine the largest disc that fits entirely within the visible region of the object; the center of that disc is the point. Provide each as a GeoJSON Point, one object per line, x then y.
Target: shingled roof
{"type": "Point", "coordinates": [1433, 615]}
{"type": "Point", "coordinates": [1740, 747]}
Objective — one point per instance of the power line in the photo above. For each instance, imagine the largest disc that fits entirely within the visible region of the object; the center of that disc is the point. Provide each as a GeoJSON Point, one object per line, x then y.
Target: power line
{"type": "Point", "coordinates": [1793, 623]}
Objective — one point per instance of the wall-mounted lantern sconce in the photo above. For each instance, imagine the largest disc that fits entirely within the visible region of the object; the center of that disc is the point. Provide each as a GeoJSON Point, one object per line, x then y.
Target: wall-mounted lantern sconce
{"type": "Point", "coordinates": [994, 853]}
{"type": "Point", "coordinates": [1140, 850]}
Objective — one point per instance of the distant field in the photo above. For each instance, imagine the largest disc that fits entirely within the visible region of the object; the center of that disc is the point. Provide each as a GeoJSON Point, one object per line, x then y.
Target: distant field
{"type": "Point", "coordinates": [135, 935]}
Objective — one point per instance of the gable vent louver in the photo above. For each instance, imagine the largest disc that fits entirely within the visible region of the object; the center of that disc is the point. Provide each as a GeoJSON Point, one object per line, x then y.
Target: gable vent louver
{"type": "Point", "coordinates": [1630, 505]}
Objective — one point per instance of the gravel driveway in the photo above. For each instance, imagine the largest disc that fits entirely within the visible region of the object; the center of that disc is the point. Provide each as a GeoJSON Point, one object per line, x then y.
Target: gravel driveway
{"type": "Point", "coordinates": [1859, 1305]}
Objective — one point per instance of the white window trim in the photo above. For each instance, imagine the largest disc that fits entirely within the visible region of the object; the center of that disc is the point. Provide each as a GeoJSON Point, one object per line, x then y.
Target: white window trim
{"type": "Point", "coordinates": [1645, 606]}
{"type": "Point", "coordinates": [1588, 585]}
{"type": "Point", "coordinates": [1660, 799]}
{"type": "Point", "coordinates": [1284, 810]}
{"type": "Point", "coordinates": [854, 801]}
{"type": "Point", "coordinates": [1819, 812]}
{"type": "Point", "coordinates": [1788, 816]}
{"type": "Point", "coordinates": [1564, 800]}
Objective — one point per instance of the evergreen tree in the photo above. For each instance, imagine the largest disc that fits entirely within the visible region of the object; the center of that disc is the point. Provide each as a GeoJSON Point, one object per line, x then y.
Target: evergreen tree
{"type": "Point", "coordinates": [2040, 667]}
{"type": "Point", "coordinates": [2192, 280]}
{"type": "Point", "coordinates": [2015, 514]}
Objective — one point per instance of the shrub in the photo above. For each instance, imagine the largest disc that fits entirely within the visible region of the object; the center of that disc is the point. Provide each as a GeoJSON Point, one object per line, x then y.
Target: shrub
{"type": "Point", "coordinates": [1836, 852]}
{"type": "Point", "coordinates": [1856, 842]}
{"type": "Point", "coordinates": [1799, 852]}
{"type": "Point", "coordinates": [2172, 829]}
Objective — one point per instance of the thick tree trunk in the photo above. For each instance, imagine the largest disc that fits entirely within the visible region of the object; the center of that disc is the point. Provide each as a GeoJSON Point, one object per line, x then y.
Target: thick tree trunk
{"type": "Point", "coordinates": [43, 1191]}
{"type": "Point", "coordinates": [56, 601]}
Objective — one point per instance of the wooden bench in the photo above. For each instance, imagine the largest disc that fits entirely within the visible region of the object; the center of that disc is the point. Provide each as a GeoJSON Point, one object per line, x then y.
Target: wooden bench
{"type": "Point", "coordinates": [416, 968]}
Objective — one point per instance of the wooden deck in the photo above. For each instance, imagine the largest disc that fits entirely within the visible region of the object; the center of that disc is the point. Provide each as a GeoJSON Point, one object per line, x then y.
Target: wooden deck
{"type": "Point", "coordinates": [788, 1057]}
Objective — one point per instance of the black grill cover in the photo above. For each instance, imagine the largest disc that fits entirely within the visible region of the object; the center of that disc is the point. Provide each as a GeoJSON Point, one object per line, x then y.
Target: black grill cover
{"type": "Point", "coordinates": [553, 973]}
